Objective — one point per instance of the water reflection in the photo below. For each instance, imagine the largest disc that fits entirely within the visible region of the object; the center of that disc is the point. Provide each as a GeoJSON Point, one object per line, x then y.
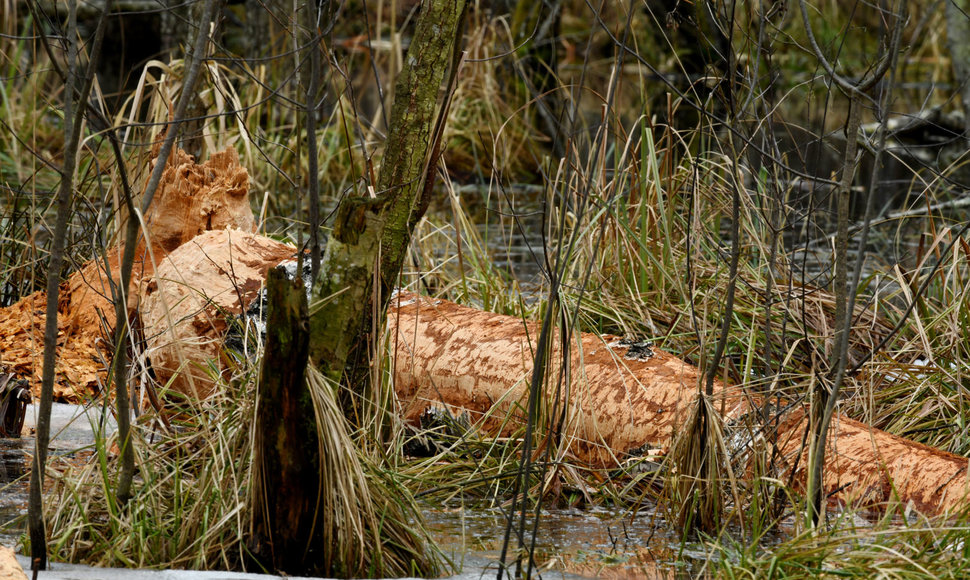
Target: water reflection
{"type": "Point", "coordinates": [570, 543]}
{"type": "Point", "coordinates": [13, 488]}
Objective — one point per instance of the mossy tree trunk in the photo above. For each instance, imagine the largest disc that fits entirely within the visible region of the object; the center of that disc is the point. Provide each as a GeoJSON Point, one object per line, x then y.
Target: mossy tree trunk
{"type": "Point", "coordinates": [371, 234]}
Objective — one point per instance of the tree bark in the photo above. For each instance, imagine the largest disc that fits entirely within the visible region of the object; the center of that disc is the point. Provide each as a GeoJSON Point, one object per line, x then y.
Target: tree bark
{"type": "Point", "coordinates": [371, 234]}
{"type": "Point", "coordinates": [287, 457]}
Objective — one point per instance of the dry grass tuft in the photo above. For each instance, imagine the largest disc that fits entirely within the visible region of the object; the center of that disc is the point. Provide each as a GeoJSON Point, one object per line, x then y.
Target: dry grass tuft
{"type": "Point", "coordinates": [192, 507]}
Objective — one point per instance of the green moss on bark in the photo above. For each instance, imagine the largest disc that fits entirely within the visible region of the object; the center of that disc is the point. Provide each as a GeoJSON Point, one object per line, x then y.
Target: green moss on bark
{"type": "Point", "coordinates": [371, 236]}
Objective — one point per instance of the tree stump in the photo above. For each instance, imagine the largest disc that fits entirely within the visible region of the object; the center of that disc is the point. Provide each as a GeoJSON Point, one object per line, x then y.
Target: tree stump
{"type": "Point", "coordinates": [287, 452]}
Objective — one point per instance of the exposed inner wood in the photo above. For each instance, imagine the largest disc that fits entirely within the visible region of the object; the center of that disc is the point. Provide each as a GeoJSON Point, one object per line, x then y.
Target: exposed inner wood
{"type": "Point", "coordinates": [479, 363]}
{"type": "Point", "coordinates": [192, 198]}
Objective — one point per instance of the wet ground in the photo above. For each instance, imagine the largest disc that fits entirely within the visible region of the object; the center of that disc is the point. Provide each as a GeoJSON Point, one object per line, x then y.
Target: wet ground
{"type": "Point", "coordinates": [588, 543]}
{"type": "Point", "coordinates": [72, 429]}
{"type": "Point", "coordinates": [570, 543]}
{"type": "Point", "coordinates": [13, 485]}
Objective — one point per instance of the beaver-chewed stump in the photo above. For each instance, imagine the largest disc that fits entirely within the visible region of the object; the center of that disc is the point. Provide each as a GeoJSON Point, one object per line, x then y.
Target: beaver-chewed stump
{"type": "Point", "coordinates": [287, 534]}
{"type": "Point", "coordinates": [192, 198]}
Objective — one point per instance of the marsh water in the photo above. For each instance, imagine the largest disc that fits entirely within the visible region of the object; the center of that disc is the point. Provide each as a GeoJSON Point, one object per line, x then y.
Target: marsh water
{"type": "Point", "coordinates": [582, 543]}
{"type": "Point", "coordinates": [13, 482]}
{"type": "Point", "coordinates": [570, 543]}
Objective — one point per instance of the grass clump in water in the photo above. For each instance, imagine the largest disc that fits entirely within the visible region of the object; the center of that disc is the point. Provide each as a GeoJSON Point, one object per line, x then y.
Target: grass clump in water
{"type": "Point", "coordinates": [193, 507]}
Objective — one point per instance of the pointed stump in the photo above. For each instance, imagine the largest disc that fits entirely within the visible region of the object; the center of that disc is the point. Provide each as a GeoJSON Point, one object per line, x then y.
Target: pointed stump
{"type": "Point", "coordinates": [287, 456]}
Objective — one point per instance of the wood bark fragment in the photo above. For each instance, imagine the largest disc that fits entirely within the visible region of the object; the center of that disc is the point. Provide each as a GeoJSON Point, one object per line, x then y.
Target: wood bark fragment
{"type": "Point", "coordinates": [478, 363]}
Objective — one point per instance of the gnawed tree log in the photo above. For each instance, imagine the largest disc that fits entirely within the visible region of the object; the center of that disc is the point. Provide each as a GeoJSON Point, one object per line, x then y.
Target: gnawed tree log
{"type": "Point", "coordinates": [480, 363]}
{"type": "Point", "coordinates": [192, 198]}
{"type": "Point", "coordinates": [622, 398]}
{"type": "Point", "coordinates": [195, 290]}
{"type": "Point", "coordinates": [10, 569]}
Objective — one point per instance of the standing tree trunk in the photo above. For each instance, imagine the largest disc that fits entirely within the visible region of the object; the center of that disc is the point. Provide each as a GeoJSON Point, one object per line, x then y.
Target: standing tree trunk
{"type": "Point", "coordinates": [75, 97]}
{"type": "Point", "coordinates": [35, 512]}
{"type": "Point", "coordinates": [371, 234]}
{"type": "Point", "coordinates": [827, 393]}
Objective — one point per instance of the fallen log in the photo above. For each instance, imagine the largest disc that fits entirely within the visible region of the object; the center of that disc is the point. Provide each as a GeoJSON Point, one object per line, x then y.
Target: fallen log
{"type": "Point", "coordinates": [624, 397]}
{"type": "Point", "coordinates": [621, 397]}
{"type": "Point", "coordinates": [191, 198]}
{"type": "Point", "coordinates": [194, 292]}
{"type": "Point", "coordinates": [480, 363]}
{"type": "Point", "coordinates": [10, 568]}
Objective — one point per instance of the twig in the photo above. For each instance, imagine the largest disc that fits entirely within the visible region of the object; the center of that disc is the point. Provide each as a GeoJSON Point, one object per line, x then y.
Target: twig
{"type": "Point", "coordinates": [195, 58]}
